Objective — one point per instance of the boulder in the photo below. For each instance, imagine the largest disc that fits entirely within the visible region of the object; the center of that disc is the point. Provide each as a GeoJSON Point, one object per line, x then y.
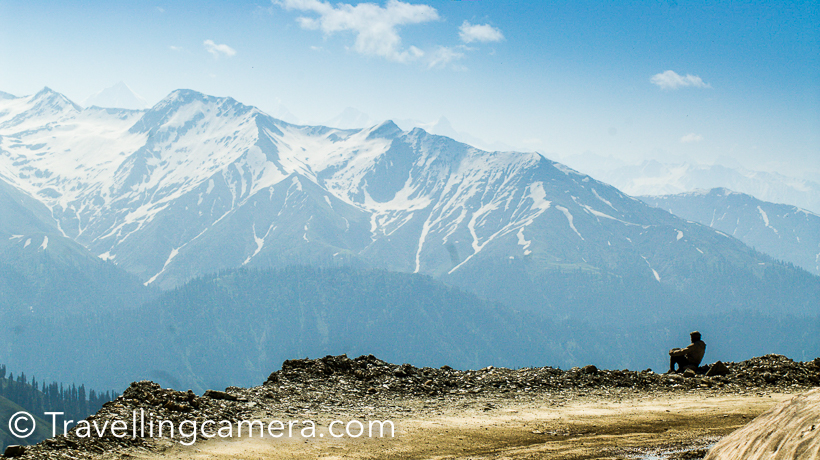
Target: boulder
{"type": "Point", "coordinates": [788, 431]}
{"type": "Point", "coordinates": [14, 451]}
{"type": "Point", "coordinates": [718, 368]}
{"type": "Point", "coordinates": [589, 369]}
{"type": "Point", "coordinates": [214, 394]}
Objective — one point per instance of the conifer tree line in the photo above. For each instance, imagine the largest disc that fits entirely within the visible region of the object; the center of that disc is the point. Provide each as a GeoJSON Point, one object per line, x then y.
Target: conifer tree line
{"type": "Point", "coordinates": [38, 397]}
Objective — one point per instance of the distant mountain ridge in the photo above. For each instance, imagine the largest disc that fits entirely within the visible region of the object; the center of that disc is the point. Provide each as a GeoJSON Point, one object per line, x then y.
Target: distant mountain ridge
{"type": "Point", "coordinates": [784, 232]}
{"type": "Point", "coordinates": [351, 118]}
{"type": "Point", "coordinates": [653, 178]}
{"type": "Point", "coordinates": [119, 96]}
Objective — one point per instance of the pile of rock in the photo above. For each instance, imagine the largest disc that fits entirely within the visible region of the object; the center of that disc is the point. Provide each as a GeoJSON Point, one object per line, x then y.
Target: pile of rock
{"type": "Point", "coordinates": [776, 370]}
{"type": "Point", "coordinates": [374, 376]}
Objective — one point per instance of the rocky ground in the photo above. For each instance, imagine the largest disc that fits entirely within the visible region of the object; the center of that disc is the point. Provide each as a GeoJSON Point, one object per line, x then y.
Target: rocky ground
{"type": "Point", "coordinates": [447, 413]}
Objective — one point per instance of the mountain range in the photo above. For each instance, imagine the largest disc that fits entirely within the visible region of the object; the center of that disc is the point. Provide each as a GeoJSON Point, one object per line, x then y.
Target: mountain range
{"type": "Point", "coordinates": [198, 185]}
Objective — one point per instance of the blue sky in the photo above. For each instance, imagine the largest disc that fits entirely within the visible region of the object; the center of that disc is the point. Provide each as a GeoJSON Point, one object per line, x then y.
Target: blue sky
{"type": "Point", "coordinates": [697, 81]}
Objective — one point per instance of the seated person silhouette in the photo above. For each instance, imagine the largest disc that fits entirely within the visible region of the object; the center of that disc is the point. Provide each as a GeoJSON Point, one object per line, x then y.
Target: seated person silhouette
{"type": "Point", "coordinates": [689, 357]}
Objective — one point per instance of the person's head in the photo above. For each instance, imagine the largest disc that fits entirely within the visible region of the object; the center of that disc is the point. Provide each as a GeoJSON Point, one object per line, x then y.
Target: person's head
{"type": "Point", "coordinates": [695, 335]}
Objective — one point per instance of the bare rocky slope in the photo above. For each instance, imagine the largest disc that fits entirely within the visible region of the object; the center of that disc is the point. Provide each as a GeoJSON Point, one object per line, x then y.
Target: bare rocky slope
{"type": "Point", "coordinates": [367, 387]}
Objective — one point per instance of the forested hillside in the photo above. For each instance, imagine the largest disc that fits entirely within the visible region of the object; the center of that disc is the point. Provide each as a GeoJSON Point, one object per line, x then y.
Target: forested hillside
{"type": "Point", "coordinates": [235, 327]}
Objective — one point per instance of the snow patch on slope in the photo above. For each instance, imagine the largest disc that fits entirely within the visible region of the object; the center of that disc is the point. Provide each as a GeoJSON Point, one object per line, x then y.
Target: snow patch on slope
{"type": "Point", "coordinates": [471, 225]}
{"type": "Point", "coordinates": [171, 256]}
{"type": "Point", "coordinates": [765, 218]}
{"type": "Point", "coordinates": [654, 272]}
{"type": "Point", "coordinates": [569, 219]}
{"type": "Point", "coordinates": [523, 242]}
{"type": "Point", "coordinates": [594, 192]}
{"type": "Point", "coordinates": [259, 242]}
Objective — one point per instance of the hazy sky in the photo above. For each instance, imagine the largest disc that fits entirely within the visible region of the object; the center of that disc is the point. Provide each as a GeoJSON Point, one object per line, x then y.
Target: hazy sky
{"type": "Point", "coordinates": [667, 80]}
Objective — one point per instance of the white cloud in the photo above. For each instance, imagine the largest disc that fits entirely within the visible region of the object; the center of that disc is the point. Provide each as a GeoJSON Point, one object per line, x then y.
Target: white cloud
{"type": "Point", "coordinates": [218, 50]}
{"type": "Point", "coordinates": [479, 33]}
{"type": "Point", "coordinates": [444, 56]}
{"type": "Point", "coordinates": [376, 27]}
{"type": "Point", "coordinates": [691, 138]}
{"type": "Point", "coordinates": [671, 80]}
{"type": "Point", "coordinates": [174, 48]}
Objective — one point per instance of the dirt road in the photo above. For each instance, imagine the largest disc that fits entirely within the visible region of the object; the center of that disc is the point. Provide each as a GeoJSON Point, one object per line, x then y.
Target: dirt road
{"type": "Point", "coordinates": [540, 427]}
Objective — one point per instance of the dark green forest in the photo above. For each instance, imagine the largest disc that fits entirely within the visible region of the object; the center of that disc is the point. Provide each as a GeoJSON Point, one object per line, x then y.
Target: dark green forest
{"type": "Point", "coordinates": [37, 398]}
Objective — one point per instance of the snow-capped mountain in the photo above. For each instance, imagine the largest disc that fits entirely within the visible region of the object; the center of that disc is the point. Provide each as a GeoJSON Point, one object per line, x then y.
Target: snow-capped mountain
{"type": "Point", "coordinates": [653, 178]}
{"type": "Point", "coordinates": [119, 96]}
{"type": "Point", "coordinates": [783, 231]}
{"type": "Point", "coordinates": [200, 183]}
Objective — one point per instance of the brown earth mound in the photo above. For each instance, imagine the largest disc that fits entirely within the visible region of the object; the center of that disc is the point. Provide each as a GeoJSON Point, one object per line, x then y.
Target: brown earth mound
{"type": "Point", "coordinates": [788, 431]}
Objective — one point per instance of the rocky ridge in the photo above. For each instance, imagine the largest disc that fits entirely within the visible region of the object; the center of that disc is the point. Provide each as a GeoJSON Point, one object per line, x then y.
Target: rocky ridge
{"type": "Point", "coordinates": [366, 387]}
